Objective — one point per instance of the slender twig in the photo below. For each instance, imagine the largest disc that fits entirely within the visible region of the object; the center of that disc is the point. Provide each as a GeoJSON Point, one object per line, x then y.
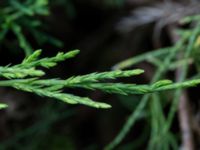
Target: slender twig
{"type": "Point", "coordinates": [185, 122]}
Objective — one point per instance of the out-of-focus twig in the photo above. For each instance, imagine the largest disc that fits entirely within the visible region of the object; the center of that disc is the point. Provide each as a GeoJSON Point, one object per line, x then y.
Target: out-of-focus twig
{"type": "Point", "coordinates": [162, 14]}
{"type": "Point", "coordinates": [183, 106]}
{"type": "Point", "coordinates": [185, 122]}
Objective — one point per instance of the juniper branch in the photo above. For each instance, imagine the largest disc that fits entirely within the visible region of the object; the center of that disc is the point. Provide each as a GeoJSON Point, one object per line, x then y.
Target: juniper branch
{"type": "Point", "coordinates": [94, 81]}
{"type": "Point", "coordinates": [53, 87]}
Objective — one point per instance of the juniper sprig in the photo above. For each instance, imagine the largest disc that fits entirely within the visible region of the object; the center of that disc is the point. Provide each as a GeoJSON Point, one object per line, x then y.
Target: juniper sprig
{"type": "Point", "coordinates": [26, 77]}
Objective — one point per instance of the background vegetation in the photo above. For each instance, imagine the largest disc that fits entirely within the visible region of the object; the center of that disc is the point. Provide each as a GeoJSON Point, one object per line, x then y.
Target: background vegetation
{"type": "Point", "coordinates": [148, 111]}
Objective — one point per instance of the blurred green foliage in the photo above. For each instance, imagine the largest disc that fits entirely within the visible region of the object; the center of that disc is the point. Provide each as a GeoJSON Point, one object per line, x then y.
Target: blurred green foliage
{"type": "Point", "coordinates": [22, 18]}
